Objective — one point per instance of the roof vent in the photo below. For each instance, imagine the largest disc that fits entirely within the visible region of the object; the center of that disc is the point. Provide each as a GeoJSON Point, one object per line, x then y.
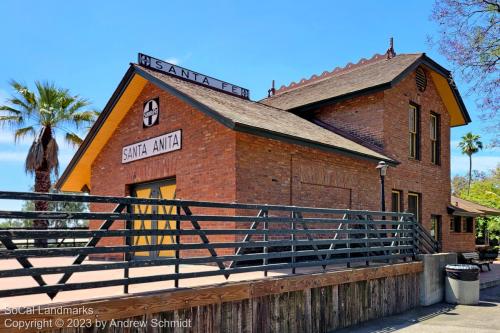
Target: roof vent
{"type": "Point", "coordinates": [421, 79]}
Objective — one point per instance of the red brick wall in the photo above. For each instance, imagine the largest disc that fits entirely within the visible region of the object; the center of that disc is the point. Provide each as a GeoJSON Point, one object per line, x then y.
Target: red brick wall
{"type": "Point", "coordinates": [362, 117]}
{"type": "Point", "coordinates": [382, 118]}
{"type": "Point", "coordinates": [421, 176]}
{"type": "Point", "coordinates": [203, 168]}
{"type": "Point", "coordinates": [274, 172]}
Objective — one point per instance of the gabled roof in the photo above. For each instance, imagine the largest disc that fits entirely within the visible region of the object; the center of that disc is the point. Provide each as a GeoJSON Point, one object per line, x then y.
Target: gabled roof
{"type": "Point", "coordinates": [234, 112]}
{"type": "Point", "coordinates": [462, 205]}
{"type": "Point", "coordinates": [367, 76]}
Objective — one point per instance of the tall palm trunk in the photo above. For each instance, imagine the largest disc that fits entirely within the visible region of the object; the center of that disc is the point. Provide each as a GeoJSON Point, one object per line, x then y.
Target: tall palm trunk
{"type": "Point", "coordinates": [42, 184]}
{"type": "Point", "coordinates": [470, 173]}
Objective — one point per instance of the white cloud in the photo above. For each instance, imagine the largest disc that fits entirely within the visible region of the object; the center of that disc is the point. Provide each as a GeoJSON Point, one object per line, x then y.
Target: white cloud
{"type": "Point", "coordinates": [174, 61]}
{"type": "Point", "coordinates": [12, 156]}
{"type": "Point", "coordinates": [7, 137]}
{"type": "Point", "coordinates": [460, 163]}
{"type": "Point", "coordinates": [19, 155]}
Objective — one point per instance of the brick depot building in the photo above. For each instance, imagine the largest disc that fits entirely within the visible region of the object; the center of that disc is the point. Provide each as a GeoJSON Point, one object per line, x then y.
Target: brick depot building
{"type": "Point", "coordinates": [171, 132]}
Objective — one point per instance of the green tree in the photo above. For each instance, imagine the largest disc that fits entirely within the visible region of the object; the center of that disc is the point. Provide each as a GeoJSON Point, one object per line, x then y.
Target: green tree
{"type": "Point", "coordinates": [38, 114]}
{"type": "Point", "coordinates": [486, 191]}
{"type": "Point", "coordinates": [14, 223]}
{"type": "Point", "coordinates": [470, 144]}
{"type": "Point", "coordinates": [469, 38]}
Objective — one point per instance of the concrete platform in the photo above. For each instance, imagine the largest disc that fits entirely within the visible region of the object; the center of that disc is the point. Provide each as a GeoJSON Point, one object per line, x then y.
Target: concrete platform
{"type": "Point", "coordinates": [88, 294]}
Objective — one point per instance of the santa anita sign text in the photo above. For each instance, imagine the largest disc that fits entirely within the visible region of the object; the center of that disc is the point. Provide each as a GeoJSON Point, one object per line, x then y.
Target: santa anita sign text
{"type": "Point", "coordinates": [151, 147]}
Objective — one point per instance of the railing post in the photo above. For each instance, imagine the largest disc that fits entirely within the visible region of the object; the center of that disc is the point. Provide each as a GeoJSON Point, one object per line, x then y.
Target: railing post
{"type": "Point", "coordinates": [177, 241]}
{"type": "Point", "coordinates": [348, 244]}
{"type": "Point", "coordinates": [266, 239]}
{"type": "Point", "coordinates": [415, 236]}
{"type": "Point", "coordinates": [128, 254]}
{"type": "Point", "coordinates": [367, 242]}
{"type": "Point", "coordinates": [402, 227]}
{"type": "Point", "coordinates": [293, 248]}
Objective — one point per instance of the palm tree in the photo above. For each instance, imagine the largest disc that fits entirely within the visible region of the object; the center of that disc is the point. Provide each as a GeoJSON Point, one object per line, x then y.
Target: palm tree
{"type": "Point", "coordinates": [39, 114]}
{"type": "Point", "coordinates": [470, 145]}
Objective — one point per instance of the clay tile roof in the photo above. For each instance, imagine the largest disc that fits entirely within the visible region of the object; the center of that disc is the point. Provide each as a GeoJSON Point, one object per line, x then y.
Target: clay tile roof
{"type": "Point", "coordinates": [249, 116]}
{"type": "Point", "coordinates": [365, 74]}
{"type": "Point", "coordinates": [472, 207]}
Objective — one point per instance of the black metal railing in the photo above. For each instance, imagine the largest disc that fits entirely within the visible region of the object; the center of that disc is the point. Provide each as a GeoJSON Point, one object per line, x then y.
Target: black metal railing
{"type": "Point", "coordinates": [65, 239]}
{"type": "Point", "coordinates": [235, 237]}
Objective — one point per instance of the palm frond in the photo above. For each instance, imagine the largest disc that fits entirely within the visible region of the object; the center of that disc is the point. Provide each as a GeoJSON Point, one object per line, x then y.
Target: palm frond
{"type": "Point", "coordinates": [48, 93]}
{"type": "Point", "coordinates": [470, 144]}
{"type": "Point", "coordinates": [77, 104]}
{"type": "Point", "coordinates": [11, 121]}
{"type": "Point", "coordinates": [10, 110]}
{"type": "Point", "coordinates": [25, 93]}
{"type": "Point", "coordinates": [45, 108]}
{"type": "Point", "coordinates": [73, 139]}
{"type": "Point", "coordinates": [35, 157]}
{"type": "Point", "coordinates": [23, 132]}
{"type": "Point", "coordinates": [51, 156]}
{"type": "Point", "coordinates": [19, 102]}
{"type": "Point", "coordinates": [84, 117]}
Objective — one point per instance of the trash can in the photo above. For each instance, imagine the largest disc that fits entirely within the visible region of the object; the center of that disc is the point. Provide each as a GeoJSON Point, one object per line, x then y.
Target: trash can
{"type": "Point", "coordinates": [462, 284]}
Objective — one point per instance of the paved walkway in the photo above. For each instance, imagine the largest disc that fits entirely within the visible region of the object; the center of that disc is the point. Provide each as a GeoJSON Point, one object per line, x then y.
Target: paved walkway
{"type": "Point", "coordinates": [441, 318]}
{"type": "Point", "coordinates": [490, 278]}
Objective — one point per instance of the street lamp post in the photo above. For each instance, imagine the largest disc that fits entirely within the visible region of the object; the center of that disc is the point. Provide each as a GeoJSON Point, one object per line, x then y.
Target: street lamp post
{"type": "Point", "coordinates": [382, 168]}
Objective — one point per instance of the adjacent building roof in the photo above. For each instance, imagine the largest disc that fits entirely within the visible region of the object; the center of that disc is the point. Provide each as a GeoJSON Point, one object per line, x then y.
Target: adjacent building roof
{"type": "Point", "coordinates": [367, 76]}
{"type": "Point", "coordinates": [464, 206]}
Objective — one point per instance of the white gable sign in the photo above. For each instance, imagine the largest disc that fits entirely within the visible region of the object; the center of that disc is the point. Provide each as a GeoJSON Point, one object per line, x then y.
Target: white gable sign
{"type": "Point", "coordinates": [187, 74]}
{"type": "Point", "coordinates": [151, 147]}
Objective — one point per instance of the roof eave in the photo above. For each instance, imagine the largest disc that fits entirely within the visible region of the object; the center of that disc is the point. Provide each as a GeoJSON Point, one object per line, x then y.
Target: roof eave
{"type": "Point", "coordinates": [447, 74]}
{"type": "Point", "coordinates": [340, 98]}
{"type": "Point", "coordinates": [424, 59]}
{"type": "Point", "coordinates": [312, 144]}
{"type": "Point", "coordinates": [97, 125]}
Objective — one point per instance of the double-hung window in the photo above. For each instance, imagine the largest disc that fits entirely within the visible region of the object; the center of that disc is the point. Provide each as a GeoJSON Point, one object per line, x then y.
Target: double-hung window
{"type": "Point", "coordinates": [414, 205]}
{"type": "Point", "coordinates": [413, 129]}
{"type": "Point", "coordinates": [434, 135]}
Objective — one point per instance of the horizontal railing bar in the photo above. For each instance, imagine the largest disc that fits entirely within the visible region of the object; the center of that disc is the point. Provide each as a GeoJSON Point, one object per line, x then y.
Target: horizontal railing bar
{"type": "Point", "coordinates": [192, 260]}
{"type": "Point", "coordinates": [168, 277]}
{"type": "Point", "coordinates": [40, 234]}
{"type": "Point", "coordinates": [424, 233]}
{"type": "Point", "coordinates": [173, 217]}
{"type": "Point", "coordinates": [427, 246]}
{"type": "Point", "coordinates": [176, 202]}
{"type": "Point", "coordinates": [55, 252]}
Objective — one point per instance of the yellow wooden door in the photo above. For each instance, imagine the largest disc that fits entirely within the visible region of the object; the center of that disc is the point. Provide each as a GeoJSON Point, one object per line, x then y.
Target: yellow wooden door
{"type": "Point", "coordinates": [142, 224]}
{"type": "Point", "coordinates": [166, 191]}
{"type": "Point", "coordinates": [157, 190]}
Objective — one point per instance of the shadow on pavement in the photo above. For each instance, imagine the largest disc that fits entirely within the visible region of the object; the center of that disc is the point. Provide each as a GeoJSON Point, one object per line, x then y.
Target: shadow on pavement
{"type": "Point", "coordinates": [402, 320]}
{"type": "Point", "coordinates": [489, 298]}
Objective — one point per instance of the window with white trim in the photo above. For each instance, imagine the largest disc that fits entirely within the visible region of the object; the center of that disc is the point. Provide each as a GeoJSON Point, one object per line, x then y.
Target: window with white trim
{"type": "Point", "coordinates": [413, 129]}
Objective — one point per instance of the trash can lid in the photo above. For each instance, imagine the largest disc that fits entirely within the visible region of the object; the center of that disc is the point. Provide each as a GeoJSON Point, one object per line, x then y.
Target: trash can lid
{"type": "Point", "coordinates": [462, 267]}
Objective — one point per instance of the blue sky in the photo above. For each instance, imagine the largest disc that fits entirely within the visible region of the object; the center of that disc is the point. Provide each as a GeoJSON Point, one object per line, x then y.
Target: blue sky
{"type": "Point", "coordinates": [86, 46]}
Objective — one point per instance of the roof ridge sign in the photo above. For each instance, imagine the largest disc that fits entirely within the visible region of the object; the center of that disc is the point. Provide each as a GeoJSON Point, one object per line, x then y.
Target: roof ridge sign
{"type": "Point", "coordinates": [192, 76]}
